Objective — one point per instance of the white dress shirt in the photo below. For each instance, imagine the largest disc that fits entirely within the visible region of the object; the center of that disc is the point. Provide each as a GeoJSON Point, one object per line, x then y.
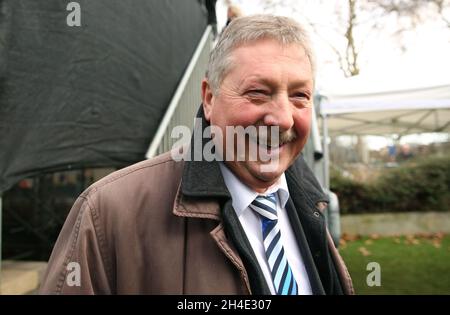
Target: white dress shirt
{"type": "Point", "coordinates": [242, 196]}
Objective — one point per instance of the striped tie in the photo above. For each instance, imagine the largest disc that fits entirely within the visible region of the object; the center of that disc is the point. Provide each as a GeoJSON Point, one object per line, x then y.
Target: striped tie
{"type": "Point", "coordinates": [282, 276]}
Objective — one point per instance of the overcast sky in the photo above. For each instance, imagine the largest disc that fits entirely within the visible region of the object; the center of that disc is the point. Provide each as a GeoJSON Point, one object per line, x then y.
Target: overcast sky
{"type": "Point", "coordinates": [424, 62]}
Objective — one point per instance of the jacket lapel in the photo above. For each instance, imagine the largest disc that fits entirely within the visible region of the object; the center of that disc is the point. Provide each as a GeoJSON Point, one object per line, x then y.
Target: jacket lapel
{"type": "Point", "coordinates": [305, 249]}
{"type": "Point", "coordinates": [306, 200]}
{"type": "Point", "coordinates": [210, 209]}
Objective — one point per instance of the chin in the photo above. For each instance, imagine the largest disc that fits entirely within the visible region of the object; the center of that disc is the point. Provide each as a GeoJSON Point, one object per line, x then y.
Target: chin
{"type": "Point", "coordinates": [268, 177]}
{"type": "Point", "coordinates": [267, 172]}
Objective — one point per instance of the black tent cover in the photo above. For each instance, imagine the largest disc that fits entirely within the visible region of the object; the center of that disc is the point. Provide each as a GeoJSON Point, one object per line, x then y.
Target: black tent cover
{"type": "Point", "coordinates": [93, 95]}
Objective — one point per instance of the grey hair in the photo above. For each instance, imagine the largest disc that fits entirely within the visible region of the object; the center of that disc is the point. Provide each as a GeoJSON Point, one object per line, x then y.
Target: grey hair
{"type": "Point", "coordinates": [247, 29]}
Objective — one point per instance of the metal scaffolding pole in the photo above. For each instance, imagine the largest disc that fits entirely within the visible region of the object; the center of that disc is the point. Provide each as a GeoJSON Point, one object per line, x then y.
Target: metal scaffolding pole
{"type": "Point", "coordinates": [326, 156]}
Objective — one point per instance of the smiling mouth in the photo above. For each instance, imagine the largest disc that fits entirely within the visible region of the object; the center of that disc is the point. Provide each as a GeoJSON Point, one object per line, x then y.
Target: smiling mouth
{"type": "Point", "coordinates": [269, 145]}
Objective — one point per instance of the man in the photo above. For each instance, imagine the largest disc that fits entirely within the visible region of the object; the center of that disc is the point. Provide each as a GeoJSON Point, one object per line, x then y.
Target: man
{"type": "Point", "coordinates": [238, 226]}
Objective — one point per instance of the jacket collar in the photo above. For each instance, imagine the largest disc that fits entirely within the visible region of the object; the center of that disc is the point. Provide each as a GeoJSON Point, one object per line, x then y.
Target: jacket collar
{"type": "Point", "coordinates": [202, 181]}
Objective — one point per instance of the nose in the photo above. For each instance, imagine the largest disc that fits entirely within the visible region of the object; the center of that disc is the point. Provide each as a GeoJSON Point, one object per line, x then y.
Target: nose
{"type": "Point", "coordinates": [280, 113]}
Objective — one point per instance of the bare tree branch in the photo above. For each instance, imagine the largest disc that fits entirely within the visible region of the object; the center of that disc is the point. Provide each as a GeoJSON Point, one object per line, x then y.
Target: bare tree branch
{"type": "Point", "coordinates": [367, 14]}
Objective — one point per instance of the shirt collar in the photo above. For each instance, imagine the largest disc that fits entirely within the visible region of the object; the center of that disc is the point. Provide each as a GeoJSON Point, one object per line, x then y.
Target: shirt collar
{"type": "Point", "coordinates": [242, 195]}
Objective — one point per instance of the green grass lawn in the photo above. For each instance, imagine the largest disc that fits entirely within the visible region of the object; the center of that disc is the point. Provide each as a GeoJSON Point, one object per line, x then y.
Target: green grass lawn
{"type": "Point", "coordinates": [409, 265]}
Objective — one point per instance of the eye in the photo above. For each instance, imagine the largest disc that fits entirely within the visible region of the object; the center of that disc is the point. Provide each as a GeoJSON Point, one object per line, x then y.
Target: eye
{"type": "Point", "coordinates": [257, 95]}
{"type": "Point", "coordinates": [301, 95]}
{"type": "Point", "coordinates": [301, 99]}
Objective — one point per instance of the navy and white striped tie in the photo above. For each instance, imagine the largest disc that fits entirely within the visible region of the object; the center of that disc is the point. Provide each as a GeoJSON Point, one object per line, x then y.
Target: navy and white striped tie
{"type": "Point", "coordinates": [282, 276]}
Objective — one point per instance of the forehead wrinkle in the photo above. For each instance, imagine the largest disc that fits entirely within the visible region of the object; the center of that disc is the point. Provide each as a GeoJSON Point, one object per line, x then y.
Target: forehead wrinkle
{"type": "Point", "coordinates": [294, 53]}
{"type": "Point", "coordinates": [274, 83]}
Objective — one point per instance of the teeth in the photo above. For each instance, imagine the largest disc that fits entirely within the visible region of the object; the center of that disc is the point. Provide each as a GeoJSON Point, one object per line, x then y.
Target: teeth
{"type": "Point", "coordinates": [265, 143]}
{"type": "Point", "coordinates": [269, 145]}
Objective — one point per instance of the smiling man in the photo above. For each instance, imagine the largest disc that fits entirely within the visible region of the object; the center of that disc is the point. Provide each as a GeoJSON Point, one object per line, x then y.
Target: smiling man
{"type": "Point", "coordinates": [267, 84]}
{"type": "Point", "coordinates": [239, 226]}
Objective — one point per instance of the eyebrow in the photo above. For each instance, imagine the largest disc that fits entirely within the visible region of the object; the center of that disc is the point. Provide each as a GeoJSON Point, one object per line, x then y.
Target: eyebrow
{"type": "Point", "coordinates": [272, 83]}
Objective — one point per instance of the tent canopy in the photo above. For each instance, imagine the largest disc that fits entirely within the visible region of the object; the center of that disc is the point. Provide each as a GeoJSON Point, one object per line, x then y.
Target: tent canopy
{"type": "Point", "coordinates": [393, 110]}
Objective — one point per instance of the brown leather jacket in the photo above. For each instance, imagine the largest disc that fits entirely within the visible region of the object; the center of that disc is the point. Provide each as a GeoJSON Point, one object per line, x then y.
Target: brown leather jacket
{"type": "Point", "coordinates": [136, 232]}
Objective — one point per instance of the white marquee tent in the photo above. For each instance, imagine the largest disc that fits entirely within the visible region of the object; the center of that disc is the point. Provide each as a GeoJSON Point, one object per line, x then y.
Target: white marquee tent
{"type": "Point", "coordinates": [391, 111]}
{"type": "Point", "coordinates": [370, 106]}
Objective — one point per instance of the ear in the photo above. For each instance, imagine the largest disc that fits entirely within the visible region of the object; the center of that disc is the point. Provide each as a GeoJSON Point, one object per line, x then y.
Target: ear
{"type": "Point", "coordinates": [207, 98]}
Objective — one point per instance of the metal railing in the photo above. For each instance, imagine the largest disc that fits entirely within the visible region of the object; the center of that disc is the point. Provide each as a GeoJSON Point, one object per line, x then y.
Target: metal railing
{"type": "Point", "coordinates": [186, 100]}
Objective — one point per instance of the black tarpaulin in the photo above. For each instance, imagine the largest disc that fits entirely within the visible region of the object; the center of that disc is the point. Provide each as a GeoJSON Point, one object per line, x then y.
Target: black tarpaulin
{"type": "Point", "coordinates": [92, 95]}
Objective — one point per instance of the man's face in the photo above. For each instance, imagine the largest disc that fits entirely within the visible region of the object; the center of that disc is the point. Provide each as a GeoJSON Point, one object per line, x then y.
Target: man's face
{"type": "Point", "coordinates": [268, 85]}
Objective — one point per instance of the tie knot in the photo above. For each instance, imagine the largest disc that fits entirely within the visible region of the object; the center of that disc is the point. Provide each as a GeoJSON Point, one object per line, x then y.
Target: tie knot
{"type": "Point", "coordinates": [266, 206]}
